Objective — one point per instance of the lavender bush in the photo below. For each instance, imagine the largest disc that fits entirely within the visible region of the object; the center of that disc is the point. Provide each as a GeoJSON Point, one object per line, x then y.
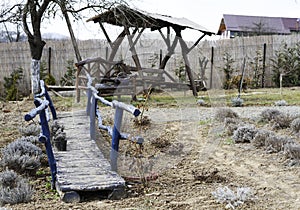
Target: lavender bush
{"type": "Point", "coordinates": [22, 157]}
{"type": "Point", "coordinates": [14, 189]}
{"type": "Point", "coordinates": [231, 198]}
{"type": "Point", "coordinates": [244, 134]}
{"type": "Point", "coordinates": [223, 113]}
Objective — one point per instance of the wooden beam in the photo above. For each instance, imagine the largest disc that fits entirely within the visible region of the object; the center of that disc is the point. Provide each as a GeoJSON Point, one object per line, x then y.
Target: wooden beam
{"type": "Point", "coordinates": [105, 34]}
{"type": "Point", "coordinates": [166, 39]}
{"type": "Point", "coordinates": [138, 37]}
{"type": "Point", "coordinates": [195, 44]}
{"type": "Point", "coordinates": [184, 51]}
{"type": "Point", "coordinates": [132, 48]}
{"type": "Point", "coordinates": [114, 49]}
{"type": "Point", "coordinates": [171, 51]}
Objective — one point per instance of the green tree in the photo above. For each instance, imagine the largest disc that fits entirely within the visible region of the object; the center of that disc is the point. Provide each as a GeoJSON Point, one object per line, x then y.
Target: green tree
{"type": "Point", "coordinates": [11, 85]}
{"type": "Point", "coordinates": [286, 62]}
{"type": "Point", "coordinates": [257, 68]}
{"type": "Point", "coordinates": [69, 77]}
{"type": "Point", "coordinates": [228, 70]}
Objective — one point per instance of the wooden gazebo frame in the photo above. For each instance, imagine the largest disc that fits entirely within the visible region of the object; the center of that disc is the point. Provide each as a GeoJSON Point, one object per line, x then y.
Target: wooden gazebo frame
{"type": "Point", "coordinates": [134, 22]}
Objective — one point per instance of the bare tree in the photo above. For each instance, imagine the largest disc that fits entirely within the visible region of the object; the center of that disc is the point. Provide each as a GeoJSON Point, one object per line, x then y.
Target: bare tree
{"type": "Point", "coordinates": [10, 16]}
{"type": "Point", "coordinates": [32, 14]}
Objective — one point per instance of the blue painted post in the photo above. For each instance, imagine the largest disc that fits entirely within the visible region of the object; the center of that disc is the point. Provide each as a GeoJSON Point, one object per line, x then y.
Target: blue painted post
{"type": "Point", "coordinates": [93, 118]}
{"type": "Point", "coordinates": [115, 139]}
{"type": "Point", "coordinates": [88, 105]}
{"type": "Point", "coordinates": [49, 151]}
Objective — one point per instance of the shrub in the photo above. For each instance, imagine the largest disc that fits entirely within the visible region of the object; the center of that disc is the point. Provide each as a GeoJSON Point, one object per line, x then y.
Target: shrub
{"type": "Point", "coordinates": [276, 143]}
{"type": "Point", "coordinates": [260, 137]}
{"type": "Point", "coordinates": [233, 200]}
{"type": "Point", "coordinates": [244, 134]}
{"type": "Point", "coordinates": [231, 124]}
{"type": "Point", "coordinates": [269, 114]}
{"type": "Point", "coordinates": [14, 189]}
{"type": "Point", "coordinates": [22, 157]}
{"type": "Point", "coordinates": [32, 139]}
{"type": "Point", "coordinates": [293, 151]}
{"type": "Point", "coordinates": [30, 130]}
{"type": "Point", "coordinates": [45, 75]}
{"type": "Point", "coordinates": [281, 103]}
{"type": "Point", "coordinates": [295, 125]}
{"type": "Point", "coordinates": [237, 102]}
{"type": "Point", "coordinates": [281, 121]}
{"type": "Point", "coordinates": [201, 102]}
{"type": "Point", "coordinates": [57, 131]}
{"type": "Point", "coordinates": [223, 113]}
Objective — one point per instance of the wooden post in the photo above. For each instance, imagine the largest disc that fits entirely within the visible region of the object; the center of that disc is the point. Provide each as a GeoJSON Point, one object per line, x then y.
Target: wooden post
{"type": "Point", "coordinates": [280, 83]}
{"type": "Point", "coordinates": [264, 67]}
{"type": "Point", "coordinates": [93, 118]}
{"type": "Point", "coordinates": [106, 53]}
{"type": "Point", "coordinates": [185, 50]}
{"type": "Point", "coordinates": [51, 105]}
{"type": "Point", "coordinates": [242, 78]}
{"type": "Point", "coordinates": [41, 105]}
{"type": "Point", "coordinates": [133, 50]}
{"type": "Point", "coordinates": [88, 103]}
{"type": "Point", "coordinates": [211, 67]}
{"type": "Point", "coordinates": [160, 57]}
{"type": "Point", "coordinates": [77, 85]}
{"type": "Point", "coordinates": [115, 139]}
{"type": "Point", "coordinates": [49, 61]}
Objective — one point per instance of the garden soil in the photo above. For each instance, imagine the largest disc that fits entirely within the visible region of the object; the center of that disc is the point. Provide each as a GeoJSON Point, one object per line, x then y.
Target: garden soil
{"type": "Point", "coordinates": [186, 157]}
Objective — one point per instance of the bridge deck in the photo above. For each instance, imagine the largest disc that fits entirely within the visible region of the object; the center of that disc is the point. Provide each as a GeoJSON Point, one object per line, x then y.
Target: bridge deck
{"type": "Point", "coordinates": [83, 167]}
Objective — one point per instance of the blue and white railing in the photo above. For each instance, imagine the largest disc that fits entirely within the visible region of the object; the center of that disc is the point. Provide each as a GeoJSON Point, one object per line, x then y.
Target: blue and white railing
{"type": "Point", "coordinates": [115, 133]}
{"type": "Point", "coordinates": [41, 110]}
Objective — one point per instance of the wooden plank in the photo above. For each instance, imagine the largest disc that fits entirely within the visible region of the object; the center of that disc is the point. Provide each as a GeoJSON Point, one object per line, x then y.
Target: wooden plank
{"type": "Point", "coordinates": [83, 166]}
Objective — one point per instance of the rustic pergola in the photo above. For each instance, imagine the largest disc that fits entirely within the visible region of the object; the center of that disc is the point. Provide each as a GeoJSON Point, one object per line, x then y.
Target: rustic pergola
{"type": "Point", "coordinates": [134, 22]}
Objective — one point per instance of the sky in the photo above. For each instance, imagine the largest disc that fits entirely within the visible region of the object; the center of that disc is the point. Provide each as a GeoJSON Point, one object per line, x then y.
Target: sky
{"type": "Point", "coordinates": [207, 13]}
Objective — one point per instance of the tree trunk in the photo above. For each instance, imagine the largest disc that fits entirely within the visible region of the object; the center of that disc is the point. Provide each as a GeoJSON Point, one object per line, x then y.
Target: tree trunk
{"type": "Point", "coordinates": [36, 48]}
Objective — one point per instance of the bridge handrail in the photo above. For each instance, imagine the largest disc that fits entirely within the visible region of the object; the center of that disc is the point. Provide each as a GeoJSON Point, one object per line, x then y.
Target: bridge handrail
{"type": "Point", "coordinates": [35, 111]}
{"type": "Point", "coordinates": [41, 106]}
{"type": "Point", "coordinates": [115, 104]}
{"type": "Point", "coordinates": [116, 134]}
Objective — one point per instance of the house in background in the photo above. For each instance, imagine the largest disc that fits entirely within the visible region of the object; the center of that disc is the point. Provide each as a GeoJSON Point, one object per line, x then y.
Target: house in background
{"type": "Point", "coordinates": [239, 25]}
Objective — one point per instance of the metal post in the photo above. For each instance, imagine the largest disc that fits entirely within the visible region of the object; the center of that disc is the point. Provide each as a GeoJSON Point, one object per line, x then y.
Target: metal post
{"type": "Point", "coordinates": [115, 139]}
{"type": "Point", "coordinates": [49, 151]}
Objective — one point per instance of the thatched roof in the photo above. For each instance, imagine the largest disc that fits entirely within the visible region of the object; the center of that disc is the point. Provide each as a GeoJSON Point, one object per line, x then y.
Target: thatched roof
{"type": "Point", "coordinates": [125, 16]}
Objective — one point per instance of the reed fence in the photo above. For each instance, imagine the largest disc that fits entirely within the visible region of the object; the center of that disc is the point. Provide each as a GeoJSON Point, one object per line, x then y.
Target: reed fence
{"type": "Point", "coordinates": [16, 55]}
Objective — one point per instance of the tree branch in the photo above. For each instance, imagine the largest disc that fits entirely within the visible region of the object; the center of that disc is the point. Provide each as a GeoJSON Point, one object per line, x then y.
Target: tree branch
{"type": "Point", "coordinates": [24, 20]}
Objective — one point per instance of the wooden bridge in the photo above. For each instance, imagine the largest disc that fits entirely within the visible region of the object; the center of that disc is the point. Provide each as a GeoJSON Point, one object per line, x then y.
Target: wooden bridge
{"type": "Point", "coordinates": [82, 167]}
